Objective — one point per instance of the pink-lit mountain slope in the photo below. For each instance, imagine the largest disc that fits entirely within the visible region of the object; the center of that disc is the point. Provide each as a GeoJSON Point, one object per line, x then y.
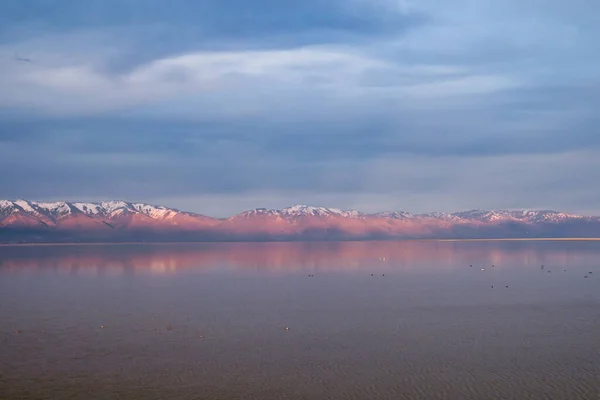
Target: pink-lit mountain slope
{"type": "Point", "coordinates": [97, 216]}
{"type": "Point", "coordinates": [117, 221]}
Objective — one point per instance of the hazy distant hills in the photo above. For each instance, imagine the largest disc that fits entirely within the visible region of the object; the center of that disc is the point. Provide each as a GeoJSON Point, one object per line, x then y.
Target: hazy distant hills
{"type": "Point", "coordinates": [119, 221]}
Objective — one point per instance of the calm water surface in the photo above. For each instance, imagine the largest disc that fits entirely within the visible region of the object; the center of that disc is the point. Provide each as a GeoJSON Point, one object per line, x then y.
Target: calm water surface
{"type": "Point", "coordinates": [378, 320]}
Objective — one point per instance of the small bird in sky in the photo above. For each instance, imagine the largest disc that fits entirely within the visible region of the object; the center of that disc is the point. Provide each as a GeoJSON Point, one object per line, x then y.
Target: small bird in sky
{"type": "Point", "coordinates": [22, 59]}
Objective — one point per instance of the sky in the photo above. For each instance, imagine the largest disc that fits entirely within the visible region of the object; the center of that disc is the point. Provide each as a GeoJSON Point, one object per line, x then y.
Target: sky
{"type": "Point", "coordinates": [219, 106]}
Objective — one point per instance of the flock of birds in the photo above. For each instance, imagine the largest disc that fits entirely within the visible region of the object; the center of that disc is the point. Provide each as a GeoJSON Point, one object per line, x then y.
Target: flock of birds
{"type": "Point", "coordinates": [483, 269]}
{"type": "Point", "coordinates": [541, 268]}
{"type": "Point", "coordinates": [471, 265]}
{"type": "Point", "coordinates": [170, 328]}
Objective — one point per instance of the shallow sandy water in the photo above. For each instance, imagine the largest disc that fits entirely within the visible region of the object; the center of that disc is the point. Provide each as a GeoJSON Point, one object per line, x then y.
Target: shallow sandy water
{"type": "Point", "coordinates": [209, 321]}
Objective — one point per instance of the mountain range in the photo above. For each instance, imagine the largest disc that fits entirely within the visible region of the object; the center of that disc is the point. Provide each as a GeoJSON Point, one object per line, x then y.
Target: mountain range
{"type": "Point", "coordinates": [119, 221]}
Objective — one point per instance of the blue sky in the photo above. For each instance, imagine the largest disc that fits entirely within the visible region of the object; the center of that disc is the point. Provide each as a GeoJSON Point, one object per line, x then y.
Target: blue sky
{"type": "Point", "coordinates": [221, 106]}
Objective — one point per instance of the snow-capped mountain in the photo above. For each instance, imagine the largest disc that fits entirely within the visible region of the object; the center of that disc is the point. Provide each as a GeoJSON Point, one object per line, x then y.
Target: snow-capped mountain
{"type": "Point", "coordinates": [302, 211]}
{"type": "Point", "coordinates": [121, 220]}
{"type": "Point", "coordinates": [443, 217]}
{"type": "Point", "coordinates": [115, 208]}
{"type": "Point", "coordinates": [102, 214]}
{"type": "Point", "coordinates": [299, 212]}
{"type": "Point", "coordinates": [516, 216]}
{"type": "Point", "coordinates": [400, 215]}
{"type": "Point", "coordinates": [257, 212]}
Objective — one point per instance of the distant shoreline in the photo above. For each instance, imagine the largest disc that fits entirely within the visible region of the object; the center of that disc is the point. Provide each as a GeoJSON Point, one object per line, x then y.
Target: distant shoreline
{"type": "Point", "coordinates": [514, 240]}
{"type": "Point", "coordinates": [298, 241]}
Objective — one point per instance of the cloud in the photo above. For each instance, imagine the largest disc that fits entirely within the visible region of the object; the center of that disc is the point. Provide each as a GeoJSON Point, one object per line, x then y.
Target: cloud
{"type": "Point", "coordinates": [416, 184]}
{"type": "Point", "coordinates": [214, 106]}
{"type": "Point", "coordinates": [83, 87]}
{"type": "Point", "coordinates": [180, 174]}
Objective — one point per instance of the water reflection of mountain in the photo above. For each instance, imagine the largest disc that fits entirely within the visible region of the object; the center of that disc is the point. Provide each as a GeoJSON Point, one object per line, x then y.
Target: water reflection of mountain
{"type": "Point", "coordinates": [294, 257]}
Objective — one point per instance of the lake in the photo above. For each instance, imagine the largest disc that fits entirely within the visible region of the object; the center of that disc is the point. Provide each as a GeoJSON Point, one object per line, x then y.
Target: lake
{"type": "Point", "coordinates": [356, 320]}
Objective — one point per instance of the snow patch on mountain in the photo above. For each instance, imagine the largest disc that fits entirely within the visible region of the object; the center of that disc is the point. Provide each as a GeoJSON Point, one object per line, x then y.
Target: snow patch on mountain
{"type": "Point", "coordinates": [112, 206]}
{"type": "Point", "coordinates": [56, 208]}
{"type": "Point", "coordinates": [545, 216]}
{"type": "Point", "coordinates": [304, 211]}
{"type": "Point", "coordinates": [401, 215]}
{"type": "Point", "coordinates": [262, 212]}
{"type": "Point", "coordinates": [24, 204]}
{"type": "Point", "coordinates": [155, 212]}
{"type": "Point", "coordinates": [525, 216]}
{"type": "Point", "coordinates": [300, 211]}
{"type": "Point", "coordinates": [443, 217]}
{"type": "Point", "coordinates": [6, 205]}
{"type": "Point", "coordinates": [91, 209]}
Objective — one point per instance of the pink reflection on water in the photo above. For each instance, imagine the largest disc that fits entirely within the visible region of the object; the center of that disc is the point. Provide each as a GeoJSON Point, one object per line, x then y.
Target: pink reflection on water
{"type": "Point", "coordinates": [290, 257]}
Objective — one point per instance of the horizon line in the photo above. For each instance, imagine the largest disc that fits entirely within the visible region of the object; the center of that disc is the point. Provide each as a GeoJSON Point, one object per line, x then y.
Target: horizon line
{"type": "Point", "coordinates": [133, 243]}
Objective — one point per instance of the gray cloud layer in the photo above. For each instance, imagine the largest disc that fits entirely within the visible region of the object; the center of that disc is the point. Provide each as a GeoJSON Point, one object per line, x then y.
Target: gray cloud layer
{"type": "Point", "coordinates": [377, 105]}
